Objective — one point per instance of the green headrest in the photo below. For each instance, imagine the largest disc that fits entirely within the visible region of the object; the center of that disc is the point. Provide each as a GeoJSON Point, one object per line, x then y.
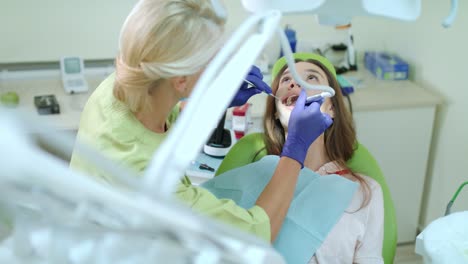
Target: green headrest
{"type": "Point", "coordinates": [303, 56]}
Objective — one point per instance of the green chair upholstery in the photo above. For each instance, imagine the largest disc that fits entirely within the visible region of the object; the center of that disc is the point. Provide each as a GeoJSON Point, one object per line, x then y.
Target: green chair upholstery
{"type": "Point", "coordinates": [251, 148]}
{"type": "Point", "coordinates": [363, 162]}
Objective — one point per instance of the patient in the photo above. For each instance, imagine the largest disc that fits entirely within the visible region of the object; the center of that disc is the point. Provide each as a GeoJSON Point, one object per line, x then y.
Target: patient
{"type": "Point", "coordinates": [358, 235]}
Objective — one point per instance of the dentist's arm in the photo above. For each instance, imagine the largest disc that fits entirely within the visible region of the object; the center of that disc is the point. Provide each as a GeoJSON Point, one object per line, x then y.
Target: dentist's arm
{"type": "Point", "coordinates": [277, 195]}
{"type": "Point", "coordinates": [305, 125]}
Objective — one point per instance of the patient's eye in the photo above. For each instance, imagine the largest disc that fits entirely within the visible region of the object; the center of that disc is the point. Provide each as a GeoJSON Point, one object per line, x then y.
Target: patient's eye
{"type": "Point", "coordinates": [285, 79]}
{"type": "Point", "coordinates": [312, 77]}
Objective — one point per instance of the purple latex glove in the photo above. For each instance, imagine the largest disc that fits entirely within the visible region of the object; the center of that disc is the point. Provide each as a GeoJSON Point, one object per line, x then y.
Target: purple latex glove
{"type": "Point", "coordinates": [255, 77]}
{"type": "Point", "coordinates": [306, 124]}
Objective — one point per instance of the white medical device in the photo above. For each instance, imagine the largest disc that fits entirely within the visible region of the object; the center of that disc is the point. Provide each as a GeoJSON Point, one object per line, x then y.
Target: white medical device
{"type": "Point", "coordinates": [72, 70]}
{"type": "Point", "coordinates": [338, 12]}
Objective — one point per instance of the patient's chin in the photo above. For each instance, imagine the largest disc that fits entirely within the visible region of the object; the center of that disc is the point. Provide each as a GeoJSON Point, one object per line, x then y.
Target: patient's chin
{"type": "Point", "coordinates": [283, 115]}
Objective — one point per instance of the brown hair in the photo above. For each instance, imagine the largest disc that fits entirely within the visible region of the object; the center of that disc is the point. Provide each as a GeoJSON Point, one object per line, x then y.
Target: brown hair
{"type": "Point", "coordinates": [340, 137]}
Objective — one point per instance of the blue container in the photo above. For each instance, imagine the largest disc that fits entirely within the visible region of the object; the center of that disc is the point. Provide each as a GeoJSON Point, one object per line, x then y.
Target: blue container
{"type": "Point", "coordinates": [291, 35]}
{"type": "Point", "coordinates": [346, 86]}
{"type": "Point", "coordinates": [386, 66]}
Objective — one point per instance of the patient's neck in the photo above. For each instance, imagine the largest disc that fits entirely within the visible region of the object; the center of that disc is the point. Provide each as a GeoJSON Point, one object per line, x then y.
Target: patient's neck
{"type": "Point", "coordinates": [316, 155]}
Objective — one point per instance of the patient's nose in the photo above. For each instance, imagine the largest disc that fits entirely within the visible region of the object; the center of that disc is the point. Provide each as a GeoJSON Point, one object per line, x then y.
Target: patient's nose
{"type": "Point", "coordinates": [292, 85]}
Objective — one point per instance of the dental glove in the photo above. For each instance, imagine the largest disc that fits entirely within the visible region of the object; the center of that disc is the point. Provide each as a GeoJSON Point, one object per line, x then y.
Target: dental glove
{"type": "Point", "coordinates": [245, 91]}
{"type": "Point", "coordinates": [306, 124]}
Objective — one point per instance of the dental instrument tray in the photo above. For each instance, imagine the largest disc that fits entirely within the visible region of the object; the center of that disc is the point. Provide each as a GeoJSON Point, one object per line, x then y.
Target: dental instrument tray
{"type": "Point", "coordinates": [46, 104]}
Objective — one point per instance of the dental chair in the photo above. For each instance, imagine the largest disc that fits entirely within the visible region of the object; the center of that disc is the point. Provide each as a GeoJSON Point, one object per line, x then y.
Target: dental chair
{"type": "Point", "coordinates": [251, 148]}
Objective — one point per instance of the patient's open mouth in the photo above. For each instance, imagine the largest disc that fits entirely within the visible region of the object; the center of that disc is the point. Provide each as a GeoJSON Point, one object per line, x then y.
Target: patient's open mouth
{"type": "Point", "coordinates": [290, 100]}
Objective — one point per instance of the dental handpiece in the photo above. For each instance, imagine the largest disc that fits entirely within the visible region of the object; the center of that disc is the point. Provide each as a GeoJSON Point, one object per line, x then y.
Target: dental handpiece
{"type": "Point", "coordinates": [251, 85]}
{"type": "Point", "coordinates": [309, 100]}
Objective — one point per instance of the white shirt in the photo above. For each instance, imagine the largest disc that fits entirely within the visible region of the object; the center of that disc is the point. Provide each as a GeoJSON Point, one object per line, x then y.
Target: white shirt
{"type": "Point", "coordinates": [357, 237]}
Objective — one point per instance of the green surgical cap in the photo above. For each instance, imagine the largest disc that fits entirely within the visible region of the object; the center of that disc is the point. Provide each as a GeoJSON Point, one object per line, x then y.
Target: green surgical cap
{"type": "Point", "coordinates": [303, 56]}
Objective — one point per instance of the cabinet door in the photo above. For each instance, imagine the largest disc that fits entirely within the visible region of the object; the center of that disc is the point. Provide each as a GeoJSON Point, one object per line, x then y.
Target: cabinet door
{"type": "Point", "coordinates": [400, 142]}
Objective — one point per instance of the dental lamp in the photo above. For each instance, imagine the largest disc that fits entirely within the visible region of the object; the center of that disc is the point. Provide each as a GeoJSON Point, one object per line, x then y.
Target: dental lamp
{"type": "Point", "coordinates": [338, 12]}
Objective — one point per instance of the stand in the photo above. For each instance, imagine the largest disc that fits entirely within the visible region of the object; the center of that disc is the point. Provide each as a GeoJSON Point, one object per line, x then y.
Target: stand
{"type": "Point", "coordinates": [220, 141]}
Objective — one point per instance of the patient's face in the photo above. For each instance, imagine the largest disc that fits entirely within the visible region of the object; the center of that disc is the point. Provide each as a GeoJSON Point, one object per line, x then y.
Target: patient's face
{"type": "Point", "coordinates": [288, 89]}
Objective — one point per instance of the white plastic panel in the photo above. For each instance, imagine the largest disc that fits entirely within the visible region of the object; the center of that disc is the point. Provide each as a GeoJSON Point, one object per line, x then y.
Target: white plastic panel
{"type": "Point", "coordinates": [397, 9]}
{"type": "Point", "coordinates": [291, 6]}
{"type": "Point", "coordinates": [338, 12]}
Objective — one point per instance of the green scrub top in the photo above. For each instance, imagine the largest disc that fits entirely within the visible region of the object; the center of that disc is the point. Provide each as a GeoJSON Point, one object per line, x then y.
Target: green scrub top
{"type": "Point", "coordinates": [108, 125]}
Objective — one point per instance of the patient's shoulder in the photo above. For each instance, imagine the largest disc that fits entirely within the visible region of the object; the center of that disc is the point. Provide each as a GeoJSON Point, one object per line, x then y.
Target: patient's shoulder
{"type": "Point", "coordinates": [373, 184]}
{"type": "Point", "coordinates": [374, 190]}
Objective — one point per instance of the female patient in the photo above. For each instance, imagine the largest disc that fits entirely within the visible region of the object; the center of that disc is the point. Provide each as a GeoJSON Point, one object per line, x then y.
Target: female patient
{"type": "Point", "coordinates": [358, 235]}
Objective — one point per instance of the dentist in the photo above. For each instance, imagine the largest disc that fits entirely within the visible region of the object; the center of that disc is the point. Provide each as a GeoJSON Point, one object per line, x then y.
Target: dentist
{"type": "Point", "coordinates": [164, 47]}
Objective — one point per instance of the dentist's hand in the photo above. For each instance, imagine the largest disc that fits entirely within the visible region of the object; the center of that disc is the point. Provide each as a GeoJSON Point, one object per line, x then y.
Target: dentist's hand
{"type": "Point", "coordinates": [306, 124]}
{"type": "Point", "coordinates": [255, 77]}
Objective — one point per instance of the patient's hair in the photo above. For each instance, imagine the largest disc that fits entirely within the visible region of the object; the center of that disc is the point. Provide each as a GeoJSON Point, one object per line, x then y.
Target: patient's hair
{"type": "Point", "coordinates": [340, 137]}
{"type": "Point", "coordinates": [161, 39]}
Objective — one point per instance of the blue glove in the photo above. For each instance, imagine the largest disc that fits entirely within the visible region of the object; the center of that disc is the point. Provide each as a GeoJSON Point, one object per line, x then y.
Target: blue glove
{"type": "Point", "coordinates": [306, 124]}
{"type": "Point", "coordinates": [255, 77]}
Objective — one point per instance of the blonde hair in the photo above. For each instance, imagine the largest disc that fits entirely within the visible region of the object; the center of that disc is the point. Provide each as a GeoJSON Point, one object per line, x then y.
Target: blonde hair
{"type": "Point", "coordinates": [161, 39]}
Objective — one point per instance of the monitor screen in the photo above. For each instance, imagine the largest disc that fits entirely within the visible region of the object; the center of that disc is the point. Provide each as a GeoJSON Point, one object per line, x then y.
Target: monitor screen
{"type": "Point", "coordinates": [72, 65]}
